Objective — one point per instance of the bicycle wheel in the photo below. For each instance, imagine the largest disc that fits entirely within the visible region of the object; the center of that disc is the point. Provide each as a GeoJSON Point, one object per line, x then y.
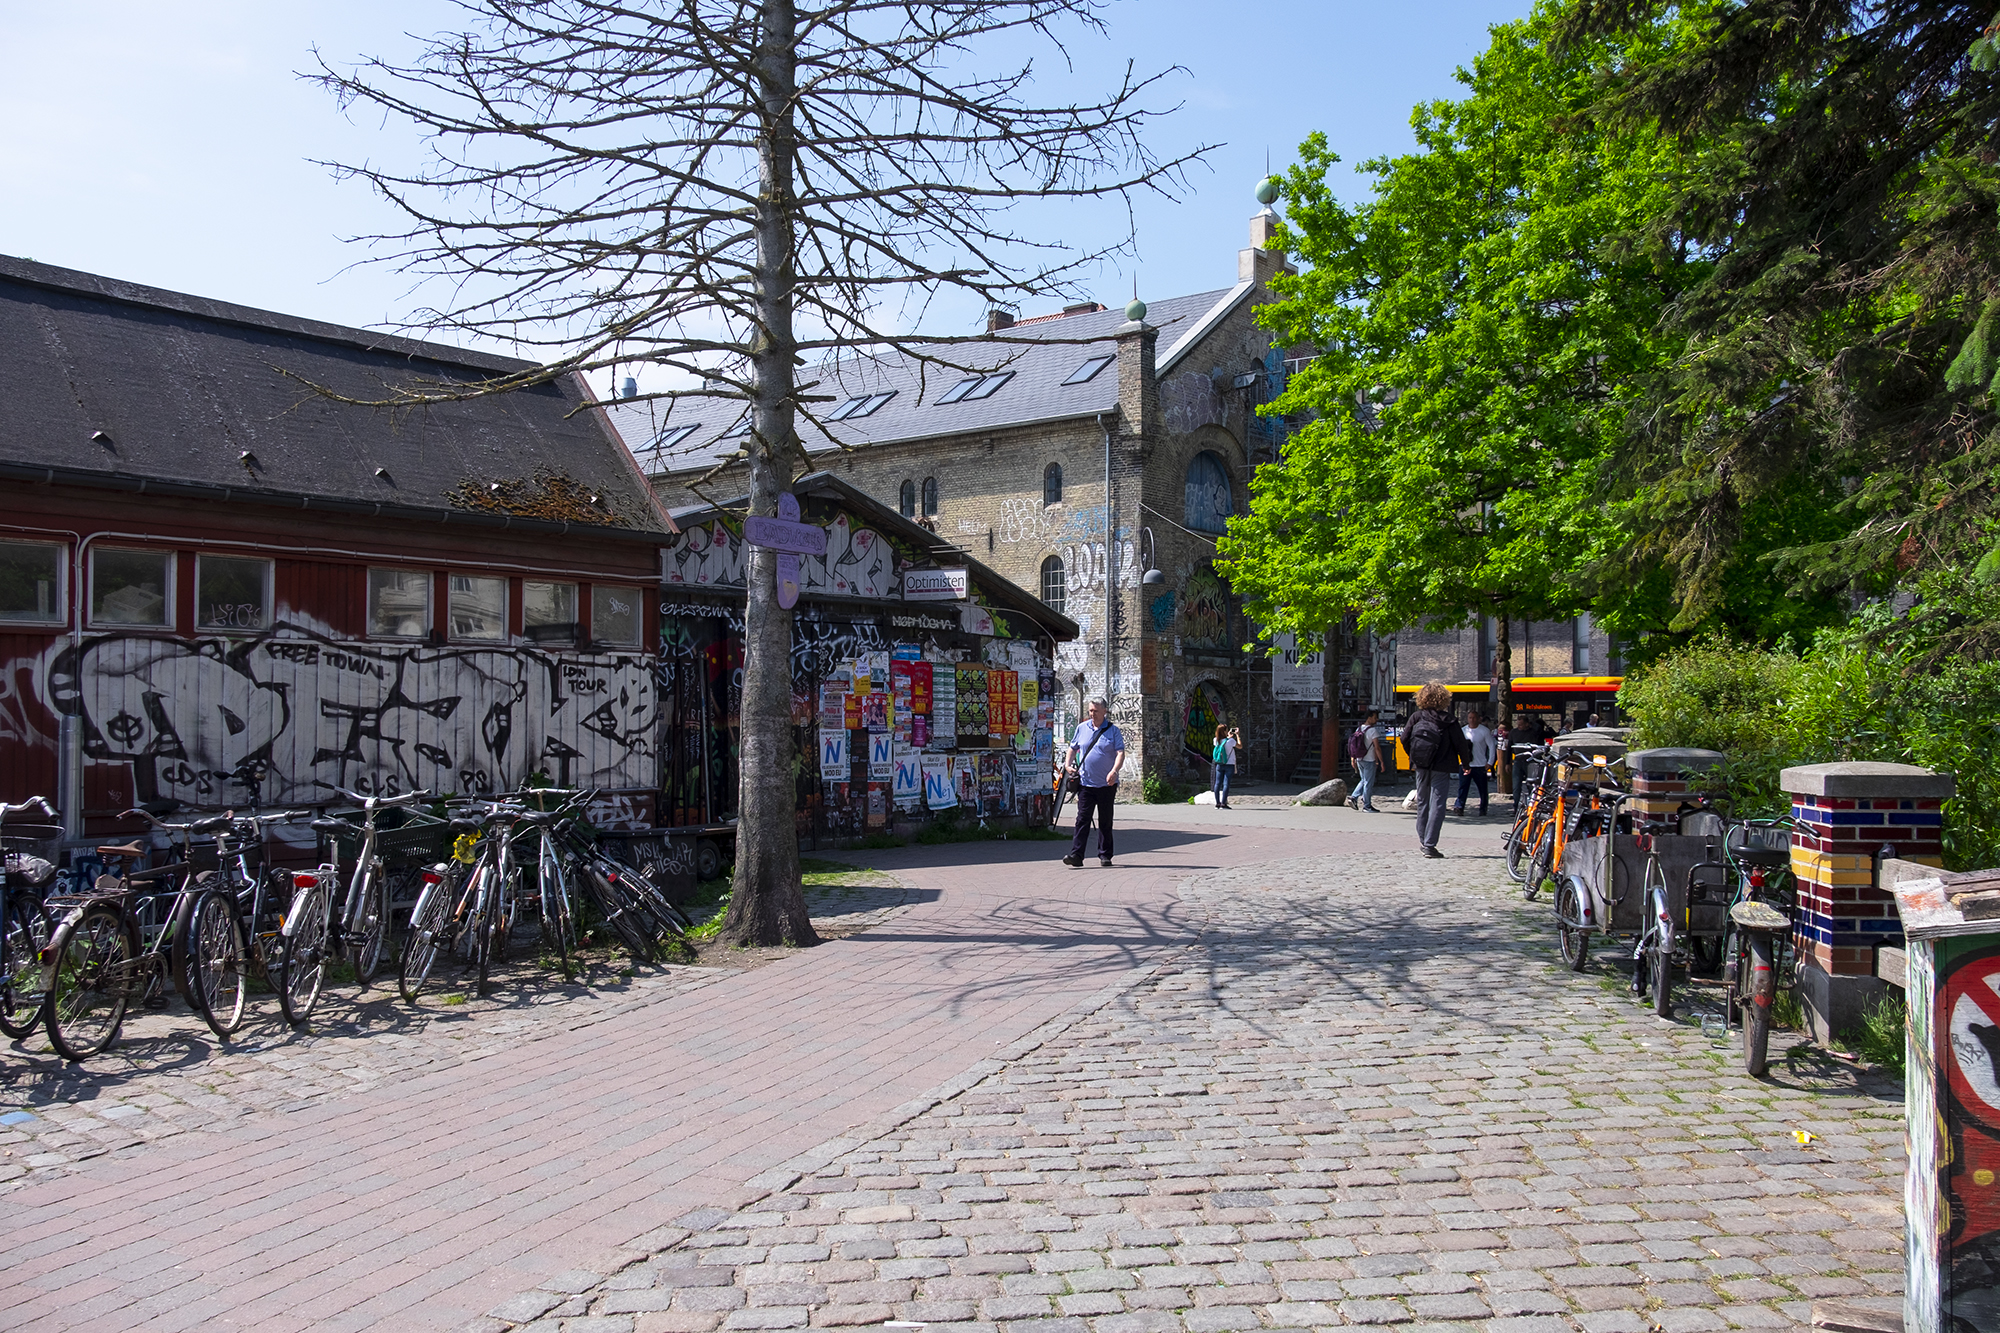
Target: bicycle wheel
{"type": "Point", "coordinates": [1572, 936]}
{"type": "Point", "coordinates": [1759, 991]}
{"type": "Point", "coordinates": [1663, 976]}
{"type": "Point", "coordinates": [369, 933]}
{"type": "Point", "coordinates": [215, 941]}
{"type": "Point", "coordinates": [430, 927]}
{"type": "Point", "coordinates": [1517, 848]}
{"type": "Point", "coordinates": [93, 959]}
{"type": "Point", "coordinates": [21, 945]}
{"type": "Point", "coordinates": [557, 926]}
{"type": "Point", "coordinates": [303, 969]}
{"type": "Point", "coordinates": [484, 926]}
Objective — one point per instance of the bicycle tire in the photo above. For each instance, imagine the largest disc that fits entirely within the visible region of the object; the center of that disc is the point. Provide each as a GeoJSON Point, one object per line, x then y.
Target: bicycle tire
{"type": "Point", "coordinates": [1760, 992]}
{"type": "Point", "coordinates": [1663, 977]}
{"type": "Point", "coordinates": [372, 930]}
{"type": "Point", "coordinates": [215, 939]}
{"type": "Point", "coordinates": [21, 994]}
{"type": "Point", "coordinates": [1541, 866]}
{"type": "Point", "coordinates": [302, 971]}
{"type": "Point", "coordinates": [430, 922]}
{"type": "Point", "coordinates": [85, 1007]}
{"type": "Point", "coordinates": [618, 914]}
{"type": "Point", "coordinates": [556, 923]}
{"type": "Point", "coordinates": [1517, 838]}
{"type": "Point", "coordinates": [1572, 938]}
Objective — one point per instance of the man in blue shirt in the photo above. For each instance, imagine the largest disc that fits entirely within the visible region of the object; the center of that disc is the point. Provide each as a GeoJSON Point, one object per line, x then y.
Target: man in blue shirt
{"type": "Point", "coordinates": [1097, 756]}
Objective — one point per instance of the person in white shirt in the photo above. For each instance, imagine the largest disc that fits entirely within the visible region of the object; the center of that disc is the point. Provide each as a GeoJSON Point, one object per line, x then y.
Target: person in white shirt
{"type": "Point", "coordinates": [1478, 769]}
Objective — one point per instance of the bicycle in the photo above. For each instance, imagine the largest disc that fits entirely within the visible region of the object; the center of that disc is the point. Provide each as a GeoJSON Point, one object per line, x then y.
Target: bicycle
{"type": "Point", "coordinates": [1529, 815]}
{"type": "Point", "coordinates": [32, 855]}
{"type": "Point", "coordinates": [1666, 929]}
{"type": "Point", "coordinates": [1759, 957]}
{"type": "Point", "coordinates": [311, 932]}
{"type": "Point", "coordinates": [123, 941]}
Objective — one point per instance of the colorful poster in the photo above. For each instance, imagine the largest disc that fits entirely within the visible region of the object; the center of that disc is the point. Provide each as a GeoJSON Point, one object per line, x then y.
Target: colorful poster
{"type": "Point", "coordinates": [920, 687]}
{"type": "Point", "coordinates": [939, 791]}
{"type": "Point", "coordinates": [874, 711]}
{"type": "Point", "coordinates": [920, 727]}
{"type": "Point", "coordinates": [908, 783]}
{"type": "Point", "coordinates": [1031, 694]}
{"type": "Point", "coordinates": [833, 756]}
{"type": "Point", "coordinates": [996, 772]}
{"type": "Point", "coordinates": [851, 710]}
{"type": "Point", "coordinates": [944, 707]}
{"type": "Point", "coordinates": [906, 652]}
{"type": "Point", "coordinates": [881, 756]}
{"type": "Point", "coordinates": [972, 701]}
{"type": "Point", "coordinates": [878, 805]}
{"type": "Point", "coordinates": [857, 676]}
{"type": "Point", "coordinates": [833, 705]}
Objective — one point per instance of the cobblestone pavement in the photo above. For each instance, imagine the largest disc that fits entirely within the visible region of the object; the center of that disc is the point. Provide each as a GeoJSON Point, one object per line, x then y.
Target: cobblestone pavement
{"type": "Point", "coordinates": [1367, 1096]}
{"type": "Point", "coordinates": [168, 1073]}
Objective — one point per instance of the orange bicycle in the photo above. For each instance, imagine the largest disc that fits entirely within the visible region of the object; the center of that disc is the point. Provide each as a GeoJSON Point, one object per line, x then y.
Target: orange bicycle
{"type": "Point", "coordinates": [1571, 805]}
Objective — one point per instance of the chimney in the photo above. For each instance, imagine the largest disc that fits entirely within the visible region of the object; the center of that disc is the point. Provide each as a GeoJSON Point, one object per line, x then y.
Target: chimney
{"type": "Point", "coordinates": [1261, 260]}
{"type": "Point", "coordinates": [997, 320]}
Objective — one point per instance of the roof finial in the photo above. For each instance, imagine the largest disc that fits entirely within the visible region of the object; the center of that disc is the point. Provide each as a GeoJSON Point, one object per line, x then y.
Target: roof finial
{"type": "Point", "coordinates": [1136, 312]}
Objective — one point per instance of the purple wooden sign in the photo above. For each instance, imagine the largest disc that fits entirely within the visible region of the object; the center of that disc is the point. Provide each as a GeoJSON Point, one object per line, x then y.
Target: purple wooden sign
{"type": "Point", "coordinates": [777, 534]}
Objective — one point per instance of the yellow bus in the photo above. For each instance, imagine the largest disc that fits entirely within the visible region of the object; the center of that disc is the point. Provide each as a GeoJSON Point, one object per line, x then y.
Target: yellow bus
{"type": "Point", "coordinates": [1561, 702]}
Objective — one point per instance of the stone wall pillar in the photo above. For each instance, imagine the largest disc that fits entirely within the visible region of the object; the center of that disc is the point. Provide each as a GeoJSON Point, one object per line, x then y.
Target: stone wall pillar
{"type": "Point", "coordinates": [1661, 779]}
{"type": "Point", "coordinates": [1845, 815]}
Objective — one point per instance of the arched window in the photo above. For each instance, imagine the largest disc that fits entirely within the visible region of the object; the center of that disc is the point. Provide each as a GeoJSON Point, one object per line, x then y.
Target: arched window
{"type": "Point", "coordinates": [930, 497]}
{"type": "Point", "coordinates": [1209, 502]}
{"type": "Point", "coordinates": [1055, 587]}
{"type": "Point", "coordinates": [906, 500]}
{"type": "Point", "coordinates": [1052, 484]}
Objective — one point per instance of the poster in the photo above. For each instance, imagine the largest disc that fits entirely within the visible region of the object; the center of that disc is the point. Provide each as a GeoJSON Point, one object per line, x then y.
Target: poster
{"type": "Point", "coordinates": [996, 781]}
{"type": "Point", "coordinates": [881, 756]}
{"type": "Point", "coordinates": [908, 783]}
{"type": "Point", "coordinates": [833, 706]}
{"type": "Point", "coordinates": [1031, 693]}
{"type": "Point", "coordinates": [944, 707]}
{"type": "Point", "coordinates": [878, 805]}
{"type": "Point", "coordinates": [857, 675]}
{"type": "Point", "coordinates": [919, 730]}
{"type": "Point", "coordinates": [939, 791]}
{"type": "Point", "coordinates": [833, 756]}
{"type": "Point", "coordinates": [972, 701]}
{"type": "Point", "coordinates": [1296, 671]}
{"type": "Point", "coordinates": [851, 705]}
{"type": "Point", "coordinates": [920, 687]}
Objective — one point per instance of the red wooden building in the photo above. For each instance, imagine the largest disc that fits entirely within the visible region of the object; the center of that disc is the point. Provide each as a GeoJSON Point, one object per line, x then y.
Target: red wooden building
{"type": "Point", "coordinates": [222, 587]}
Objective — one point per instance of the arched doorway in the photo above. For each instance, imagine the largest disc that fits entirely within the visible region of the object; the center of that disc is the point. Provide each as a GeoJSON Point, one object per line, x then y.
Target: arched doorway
{"type": "Point", "coordinates": [1207, 708]}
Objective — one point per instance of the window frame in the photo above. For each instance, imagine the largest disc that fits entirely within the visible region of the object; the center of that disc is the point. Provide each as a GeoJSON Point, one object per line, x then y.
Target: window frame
{"type": "Point", "coordinates": [1190, 519]}
{"type": "Point", "coordinates": [451, 614]}
{"type": "Point", "coordinates": [574, 624]}
{"type": "Point", "coordinates": [906, 498]}
{"type": "Point", "coordinates": [989, 386]}
{"type": "Point", "coordinates": [172, 591]}
{"type": "Point", "coordinates": [1579, 644]}
{"type": "Point", "coordinates": [429, 579]}
{"type": "Point", "coordinates": [59, 601]}
{"type": "Point", "coordinates": [930, 501]}
{"type": "Point", "coordinates": [267, 610]}
{"type": "Point", "coordinates": [638, 639]}
{"type": "Point", "coordinates": [1053, 564]}
{"type": "Point", "coordinates": [1053, 472]}
{"type": "Point", "coordinates": [1090, 369]}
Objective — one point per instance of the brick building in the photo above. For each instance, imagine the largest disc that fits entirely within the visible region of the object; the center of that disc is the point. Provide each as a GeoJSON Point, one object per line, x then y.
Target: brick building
{"type": "Point", "coordinates": [1075, 453]}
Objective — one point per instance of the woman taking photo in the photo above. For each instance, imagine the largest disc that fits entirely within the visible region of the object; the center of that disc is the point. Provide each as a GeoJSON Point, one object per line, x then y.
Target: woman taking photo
{"type": "Point", "coordinates": [1223, 760]}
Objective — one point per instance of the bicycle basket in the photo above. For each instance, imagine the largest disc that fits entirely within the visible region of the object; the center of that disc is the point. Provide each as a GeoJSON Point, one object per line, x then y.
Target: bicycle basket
{"type": "Point", "coordinates": [32, 853]}
{"type": "Point", "coordinates": [410, 839]}
{"type": "Point", "coordinates": [1760, 844]}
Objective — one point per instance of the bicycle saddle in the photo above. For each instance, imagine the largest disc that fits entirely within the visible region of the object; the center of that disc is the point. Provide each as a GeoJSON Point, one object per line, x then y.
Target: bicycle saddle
{"type": "Point", "coordinates": [1753, 915]}
{"type": "Point", "coordinates": [129, 849]}
{"type": "Point", "coordinates": [331, 826]}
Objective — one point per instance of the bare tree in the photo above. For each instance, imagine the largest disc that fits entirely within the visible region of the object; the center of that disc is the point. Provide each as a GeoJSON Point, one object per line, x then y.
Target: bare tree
{"type": "Point", "coordinates": [730, 189]}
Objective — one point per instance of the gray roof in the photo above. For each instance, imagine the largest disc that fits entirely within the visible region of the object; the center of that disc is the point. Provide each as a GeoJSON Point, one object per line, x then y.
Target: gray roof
{"type": "Point", "coordinates": [110, 384]}
{"type": "Point", "coordinates": [1036, 392]}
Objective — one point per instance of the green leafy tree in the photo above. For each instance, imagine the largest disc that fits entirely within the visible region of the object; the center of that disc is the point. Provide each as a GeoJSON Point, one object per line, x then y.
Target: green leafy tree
{"type": "Point", "coordinates": [1475, 322]}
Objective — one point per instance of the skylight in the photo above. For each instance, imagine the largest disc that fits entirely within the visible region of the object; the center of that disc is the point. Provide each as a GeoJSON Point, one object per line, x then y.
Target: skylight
{"type": "Point", "coordinates": [1087, 372]}
{"type": "Point", "coordinates": [740, 428]}
{"type": "Point", "coordinates": [856, 408]}
{"type": "Point", "coordinates": [960, 389]}
{"type": "Point", "coordinates": [985, 387]}
{"type": "Point", "coordinates": [673, 435]}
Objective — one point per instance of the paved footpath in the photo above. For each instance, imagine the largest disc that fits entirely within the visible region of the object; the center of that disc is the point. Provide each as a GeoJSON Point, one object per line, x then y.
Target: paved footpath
{"type": "Point", "coordinates": [1272, 1072]}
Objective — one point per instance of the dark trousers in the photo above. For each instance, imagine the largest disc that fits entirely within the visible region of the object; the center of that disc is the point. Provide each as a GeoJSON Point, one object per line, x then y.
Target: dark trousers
{"type": "Point", "coordinates": [1088, 799]}
{"type": "Point", "coordinates": [1466, 780]}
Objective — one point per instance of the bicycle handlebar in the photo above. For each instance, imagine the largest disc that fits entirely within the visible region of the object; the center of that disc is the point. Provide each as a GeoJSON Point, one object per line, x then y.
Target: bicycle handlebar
{"type": "Point", "coordinates": [208, 825]}
{"type": "Point", "coordinates": [378, 802]}
{"type": "Point", "coordinates": [38, 803]}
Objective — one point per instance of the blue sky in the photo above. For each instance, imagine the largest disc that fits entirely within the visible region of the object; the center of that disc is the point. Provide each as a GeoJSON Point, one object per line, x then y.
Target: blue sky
{"type": "Point", "coordinates": [173, 145]}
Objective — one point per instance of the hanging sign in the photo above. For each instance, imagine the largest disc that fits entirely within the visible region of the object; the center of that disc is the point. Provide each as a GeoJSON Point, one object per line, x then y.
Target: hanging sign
{"type": "Point", "coordinates": [785, 532]}
{"type": "Point", "coordinates": [936, 585]}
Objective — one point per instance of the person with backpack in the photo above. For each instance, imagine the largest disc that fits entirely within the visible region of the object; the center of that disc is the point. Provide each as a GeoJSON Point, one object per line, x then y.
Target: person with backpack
{"type": "Point", "coordinates": [1438, 749]}
{"type": "Point", "coordinates": [1222, 761]}
{"type": "Point", "coordinates": [1364, 747]}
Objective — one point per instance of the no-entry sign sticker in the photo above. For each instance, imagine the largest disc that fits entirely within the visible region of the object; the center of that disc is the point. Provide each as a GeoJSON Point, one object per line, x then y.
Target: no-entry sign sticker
{"type": "Point", "coordinates": [1972, 1009]}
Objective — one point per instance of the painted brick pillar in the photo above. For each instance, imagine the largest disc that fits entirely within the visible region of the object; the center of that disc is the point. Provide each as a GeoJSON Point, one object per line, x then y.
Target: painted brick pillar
{"type": "Point", "coordinates": [1845, 814]}
{"type": "Point", "coordinates": [1661, 779]}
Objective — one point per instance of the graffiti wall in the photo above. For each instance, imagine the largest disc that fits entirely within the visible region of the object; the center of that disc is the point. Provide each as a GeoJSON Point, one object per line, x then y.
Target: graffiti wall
{"type": "Point", "coordinates": [858, 561]}
{"type": "Point", "coordinates": [286, 716]}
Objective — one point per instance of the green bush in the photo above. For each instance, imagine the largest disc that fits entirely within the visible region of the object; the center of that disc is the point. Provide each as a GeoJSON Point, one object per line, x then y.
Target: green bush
{"type": "Point", "coordinates": [1156, 790]}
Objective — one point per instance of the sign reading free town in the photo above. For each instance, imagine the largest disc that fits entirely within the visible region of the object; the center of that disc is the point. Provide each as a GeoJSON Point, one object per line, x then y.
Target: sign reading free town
{"type": "Point", "coordinates": [936, 585]}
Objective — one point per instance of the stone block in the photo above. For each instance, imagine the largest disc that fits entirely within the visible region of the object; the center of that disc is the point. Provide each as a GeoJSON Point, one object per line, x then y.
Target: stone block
{"type": "Point", "coordinates": [1672, 761]}
{"type": "Point", "coordinates": [1871, 780]}
{"type": "Point", "coordinates": [1327, 793]}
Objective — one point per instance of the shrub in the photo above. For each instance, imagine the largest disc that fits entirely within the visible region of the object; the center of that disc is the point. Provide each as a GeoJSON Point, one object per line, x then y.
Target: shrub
{"type": "Point", "coordinates": [1156, 790]}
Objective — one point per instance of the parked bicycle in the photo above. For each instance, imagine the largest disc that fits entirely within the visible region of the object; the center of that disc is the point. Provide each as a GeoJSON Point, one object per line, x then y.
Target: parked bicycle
{"type": "Point", "coordinates": [1759, 959]}
{"type": "Point", "coordinates": [32, 855]}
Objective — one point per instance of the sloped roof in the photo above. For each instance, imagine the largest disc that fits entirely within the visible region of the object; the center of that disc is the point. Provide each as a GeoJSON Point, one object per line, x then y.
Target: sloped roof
{"type": "Point", "coordinates": [1002, 593]}
{"type": "Point", "coordinates": [1036, 393]}
{"type": "Point", "coordinates": [178, 388]}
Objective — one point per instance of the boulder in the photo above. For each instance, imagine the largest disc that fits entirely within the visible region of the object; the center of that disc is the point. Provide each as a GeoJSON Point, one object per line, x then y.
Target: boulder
{"type": "Point", "coordinates": [1333, 792]}
{"type": "Point", "coordinates": [1202, 798]}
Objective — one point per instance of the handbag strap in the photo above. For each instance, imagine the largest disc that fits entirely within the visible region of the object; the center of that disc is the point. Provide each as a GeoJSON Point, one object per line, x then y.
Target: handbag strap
{"type": "Point", "coordinates": [1101, 731]}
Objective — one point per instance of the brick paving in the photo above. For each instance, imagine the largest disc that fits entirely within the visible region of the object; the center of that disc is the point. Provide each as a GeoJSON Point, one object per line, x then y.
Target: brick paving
{"type": "Point", "coordinates": [437, 1186]}
{"type": "Point", "coordinates": [1342, 1106]}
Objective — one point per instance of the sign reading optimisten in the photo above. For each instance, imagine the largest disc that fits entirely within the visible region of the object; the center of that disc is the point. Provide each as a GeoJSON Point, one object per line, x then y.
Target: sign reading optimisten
{"type": "Point", "coordinates": [936, 585]}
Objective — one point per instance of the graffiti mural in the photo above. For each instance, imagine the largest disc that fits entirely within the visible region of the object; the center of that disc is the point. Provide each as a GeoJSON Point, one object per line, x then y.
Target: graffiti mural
{"type": "Point", "coordinates": [1028, 520]}
{"type": "Point", "coordinates": [858, 561]}
{"type": "Point", "coordinates": [1204, 610]}
{"type": "Point", "coordinates": [1190, 401]}
{"type": "Point", "coordinates": [286, 716]}
{"type": "Point", "coordinates": [1207, 709]}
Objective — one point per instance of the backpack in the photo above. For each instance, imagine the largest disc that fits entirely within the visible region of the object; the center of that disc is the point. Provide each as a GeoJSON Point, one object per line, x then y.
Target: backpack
{"type": "Point", "coordinates": [1219, 755]}
{"type": "Point", "coordinates": [1357, 744]}
{"type": "Point", "coordinates": [1424, 739]}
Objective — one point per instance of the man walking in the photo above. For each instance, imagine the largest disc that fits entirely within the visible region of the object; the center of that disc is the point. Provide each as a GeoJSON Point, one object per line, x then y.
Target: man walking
{"type": "Point", "coordinates": [1367, 740]}
{"type": "Point", "coordinates": [1479, 768]}
{"type": "Point", "coordinates": [1438, 749]}
{"type": "Point", "coordinates": [1096, 756]}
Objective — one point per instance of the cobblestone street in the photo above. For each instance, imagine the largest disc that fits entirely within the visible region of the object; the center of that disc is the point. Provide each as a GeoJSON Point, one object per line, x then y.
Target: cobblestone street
{"type": "Point", "coordinates": [1315, 1082]}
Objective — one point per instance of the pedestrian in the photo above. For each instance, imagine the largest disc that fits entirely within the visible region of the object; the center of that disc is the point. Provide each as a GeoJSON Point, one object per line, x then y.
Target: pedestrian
{"type": "Point", "coordinates": [1479, 768]}
{"type": "Point", "coordinates": [1094, 760]}
{"type": "Point", "coordinates": [1364, 747]}
{"type": "Point", "coordinates": [1593, 721]}
{"type": "Point", "coordinates": [1222, 764]}
{"type": "Point", "coordinates": [1438, 749]}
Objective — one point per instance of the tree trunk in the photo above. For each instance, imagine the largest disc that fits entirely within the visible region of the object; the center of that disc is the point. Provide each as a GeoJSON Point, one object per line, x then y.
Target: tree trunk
{"type": "Point", "coordinates": [767, 904]}
{"type": "Point", "coordinates": [1503, 695]}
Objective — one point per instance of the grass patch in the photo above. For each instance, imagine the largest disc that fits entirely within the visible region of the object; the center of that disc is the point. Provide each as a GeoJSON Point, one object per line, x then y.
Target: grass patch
{"type": "Point", "coordinates": [878, 841]}
{"type": "Point", "coordinates": [451, 999]}
{"type": "Point", "coordinates": [937, 835]}
{"type": "Point", "coordinates": [1788, 1011]}
{"type": "Point", "coordinates": [1156, 790]}
{"type": "Point", "coordinates": [1880, 1040]}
